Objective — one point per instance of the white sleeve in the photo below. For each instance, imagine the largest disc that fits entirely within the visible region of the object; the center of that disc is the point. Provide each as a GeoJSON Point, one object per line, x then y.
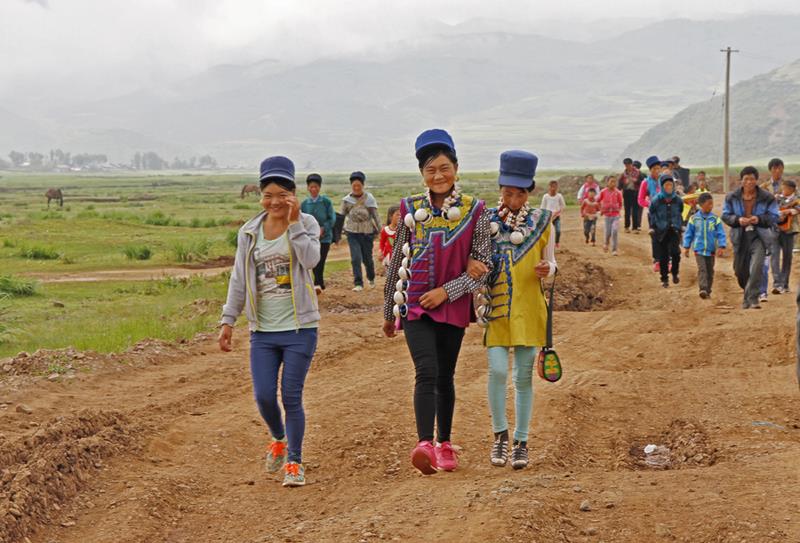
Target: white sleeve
{"type": "Point", "coordinates": [550, 253]}
{"type": "Point", "coordinates": [561, 202]}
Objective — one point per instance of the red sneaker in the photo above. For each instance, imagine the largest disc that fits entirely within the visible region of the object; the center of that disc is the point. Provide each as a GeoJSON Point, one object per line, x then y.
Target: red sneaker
{"type": "Point", "coordinates": [446, 457]}
{"type": "Point", "coordinates": [423, 457]}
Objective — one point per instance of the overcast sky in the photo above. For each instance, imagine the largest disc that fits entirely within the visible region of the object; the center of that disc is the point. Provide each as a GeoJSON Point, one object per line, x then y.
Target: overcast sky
{"type": "Point", "coordinates": [153, 40]}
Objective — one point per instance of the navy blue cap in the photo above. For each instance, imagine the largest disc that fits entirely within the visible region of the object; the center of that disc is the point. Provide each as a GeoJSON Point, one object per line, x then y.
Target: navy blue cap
{"type": "Point", "coordinates": [277, 166]}
{"type": "Point", "coordinates": [664, 177]}
{"type": "Point", "coordinates": [358, 175]}
{"type": "Point", "coordinates": [434, 136]}
{"type": "Point", "coordinates": [517, 169]}
{"type": "Point", "coordinates": [665, 163]}
{"type": "Point", "coordinates": [314, 178]}
{"type": "Point", "coordinates": [652, 161]}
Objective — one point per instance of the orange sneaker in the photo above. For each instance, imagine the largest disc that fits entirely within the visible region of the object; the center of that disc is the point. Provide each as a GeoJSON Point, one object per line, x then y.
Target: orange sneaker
{"type": "Point", "coordinates": [276, 455]}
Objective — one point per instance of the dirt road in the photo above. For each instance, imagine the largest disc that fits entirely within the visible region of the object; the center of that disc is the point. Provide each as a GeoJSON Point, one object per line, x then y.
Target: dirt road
{"type": "Point", "coordinates": [169, 446]}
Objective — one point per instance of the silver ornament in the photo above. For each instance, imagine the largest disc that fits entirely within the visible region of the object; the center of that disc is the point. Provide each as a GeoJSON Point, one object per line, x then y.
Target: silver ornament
{"type": "Point", "coordinates": [406, 249]}
{"type": "Point", "coordinates": [494, 228]}
{"type": "Point", "coordinates": [400, 297]}
{"type": "Point", "coordinates": [403, 273]}
{"type": "Point", "coordinates": [396, 310]}
{"type": "Point", "coordinates": [453, 214]}
{"type": "Point", "coordinates": [401, 285]}
{"type": "Point", "coordinates": [516, 237]}
{"type": "Point", "coordinates": [406, 262]}
{"type": "Point", "coordinates": [409, 220]}
{"type": "Point", "coordinates": [421, 215]}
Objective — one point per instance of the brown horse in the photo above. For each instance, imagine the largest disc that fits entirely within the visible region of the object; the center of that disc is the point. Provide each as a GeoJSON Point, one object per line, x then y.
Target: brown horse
{"type": "Point", "coordinates": [250, 188]}
{"type": "Point", "coordinates": [54, 194]}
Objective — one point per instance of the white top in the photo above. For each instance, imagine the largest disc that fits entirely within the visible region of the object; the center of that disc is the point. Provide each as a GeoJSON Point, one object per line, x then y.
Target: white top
{"type": "Point", "coordinates": [553, 203]}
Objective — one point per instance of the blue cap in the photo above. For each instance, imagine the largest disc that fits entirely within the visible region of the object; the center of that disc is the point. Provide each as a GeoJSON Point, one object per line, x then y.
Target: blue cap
{"type": "Point", "coordinates": [358, 175]}
{"type": "Point", "coordinates": [434, 136]}
{"type": "Point", "coordinates": [517, 169]}
{"type": "Point", "coordinates": [664, 177]}
{"type": "Point", "coordinates": [652, 161]}
{"type": "Point", "coordinates": [277, 166]}
{"type": "Point", "coordinates": [665, 163]}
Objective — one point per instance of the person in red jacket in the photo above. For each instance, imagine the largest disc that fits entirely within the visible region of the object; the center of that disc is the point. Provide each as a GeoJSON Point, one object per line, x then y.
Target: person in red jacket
{"type": "Point", "coordinates": [610, 200]}
{"type": "Point", "coordinates": [389, 234]}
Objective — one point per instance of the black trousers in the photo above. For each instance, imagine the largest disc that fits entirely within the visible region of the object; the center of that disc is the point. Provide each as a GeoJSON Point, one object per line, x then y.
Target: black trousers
{"type": "Point", "coordinates": [319, 269]}
{"type": "Point", "coordinates": [434, 348]}
{"type": "Point", "coordinates": [667, 247]}
{"type": "Point", "coordinates": [633, 213]}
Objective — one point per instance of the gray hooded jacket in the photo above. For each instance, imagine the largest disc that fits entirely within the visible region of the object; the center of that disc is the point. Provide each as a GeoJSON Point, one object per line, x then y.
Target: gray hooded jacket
{"type": "Point", "coordinates": [303, 255]}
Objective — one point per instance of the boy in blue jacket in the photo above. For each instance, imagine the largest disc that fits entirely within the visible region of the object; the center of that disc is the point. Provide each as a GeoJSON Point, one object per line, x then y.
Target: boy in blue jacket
{"type": "Point", "coordinates": [666, 226]}
{"type": "Point", "coordinates": [706, 237]}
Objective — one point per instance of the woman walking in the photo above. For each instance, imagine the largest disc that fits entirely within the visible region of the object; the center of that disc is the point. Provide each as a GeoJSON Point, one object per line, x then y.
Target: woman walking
{"type": "Point", "coordinates": [321, 208]}
{"type": "Point", "coordinates": [361, 223]}
{"type": "Point", "coordinates": [427, 290]}
{"type": "Point", "coordinates": [513, 309]}
{"type": "Point", "coordinates": [276, 252]}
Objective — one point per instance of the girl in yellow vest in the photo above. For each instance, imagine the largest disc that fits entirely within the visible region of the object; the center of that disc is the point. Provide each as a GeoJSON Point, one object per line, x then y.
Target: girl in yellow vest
{"type": "Point", "coordinates": [512, 307]}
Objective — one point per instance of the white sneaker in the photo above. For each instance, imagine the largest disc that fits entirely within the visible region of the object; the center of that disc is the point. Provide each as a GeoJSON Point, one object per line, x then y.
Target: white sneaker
{"type": "Point", "coordinates": [762, 298]}
{"type": "Point", "coordinates": [358, 288]}
{"type": "Point", "coordinates": [371, 284]}
{"type": "Point", "coordinates": [614, 253]}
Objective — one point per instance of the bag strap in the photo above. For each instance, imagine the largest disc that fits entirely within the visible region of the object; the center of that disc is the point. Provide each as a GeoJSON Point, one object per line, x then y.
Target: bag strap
{"type": "Point", "coordinates": [550, 313]}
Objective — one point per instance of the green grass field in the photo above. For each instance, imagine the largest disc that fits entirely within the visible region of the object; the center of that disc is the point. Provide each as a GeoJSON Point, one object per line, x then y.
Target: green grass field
{"type": "Point", "coordinates": [144, 222]}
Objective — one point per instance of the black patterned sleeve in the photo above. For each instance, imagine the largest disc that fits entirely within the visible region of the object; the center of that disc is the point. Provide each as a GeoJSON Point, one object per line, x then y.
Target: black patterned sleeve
{"type": "Point", "coordinates": [482, 251]}
{"type": "Point", "coordinates": [403, 236]}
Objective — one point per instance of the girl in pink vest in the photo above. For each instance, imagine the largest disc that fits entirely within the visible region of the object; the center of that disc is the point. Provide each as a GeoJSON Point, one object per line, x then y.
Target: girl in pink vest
{"type": "Point", "coordinates": [428, 290]}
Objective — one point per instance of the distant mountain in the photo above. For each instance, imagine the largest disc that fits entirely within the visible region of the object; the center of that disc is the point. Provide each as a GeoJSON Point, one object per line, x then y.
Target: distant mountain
{"type": "Point", "coordinates": [765, 122]}
{"type": "Point", "coordinates": [575, 103]}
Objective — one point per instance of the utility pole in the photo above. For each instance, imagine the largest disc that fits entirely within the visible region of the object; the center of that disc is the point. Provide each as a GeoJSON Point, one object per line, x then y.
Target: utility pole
{"type": "Point", "coordinates": [727, 145]}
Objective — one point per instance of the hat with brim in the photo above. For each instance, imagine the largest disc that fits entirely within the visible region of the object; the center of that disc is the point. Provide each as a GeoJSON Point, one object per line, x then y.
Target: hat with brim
{"type": "Point", "coordinates": [517, 169]}
{"type": "Point", "coordinates": [277, 166]}
{"type": "Point", "coordinates": [652, 161]}
{"type": "Point", "coordinates": [434, 136]}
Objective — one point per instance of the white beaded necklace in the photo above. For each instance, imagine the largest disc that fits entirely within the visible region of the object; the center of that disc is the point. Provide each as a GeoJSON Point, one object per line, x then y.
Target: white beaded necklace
{"type": "Point", "coordinates": [450, 209]}
{"type": "Point", "coordinates": [514, 221]}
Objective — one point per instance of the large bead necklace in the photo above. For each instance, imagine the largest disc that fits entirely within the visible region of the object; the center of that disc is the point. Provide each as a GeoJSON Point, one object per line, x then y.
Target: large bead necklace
{"type": "Point", "coordinates": [516, 222]}
{"type": "Point", "coordinates": [450, 210]}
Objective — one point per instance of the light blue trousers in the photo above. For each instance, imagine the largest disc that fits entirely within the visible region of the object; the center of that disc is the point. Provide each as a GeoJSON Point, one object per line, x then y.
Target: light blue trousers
{"type": "Point", "coordinates": [524, 358]}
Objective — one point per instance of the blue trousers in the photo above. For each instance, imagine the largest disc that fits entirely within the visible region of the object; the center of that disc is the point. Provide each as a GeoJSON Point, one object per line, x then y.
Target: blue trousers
{"type": "Point", "coordinates": [524, 358]}
{"type": "Point", "coordinates": [361, 252]}
{"type": "Point", "coordinates": [268, 352]}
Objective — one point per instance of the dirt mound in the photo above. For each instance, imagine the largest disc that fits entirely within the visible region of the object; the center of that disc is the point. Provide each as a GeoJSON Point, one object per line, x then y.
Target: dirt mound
{"type": "Point", "coordinates": [581, 285]}
{"type": "Point", "coordinates": [49, 361]}
{"type": "Point", "coordinates": [685, 445]}
{"type": "Point", "coordinates": [44, 470]}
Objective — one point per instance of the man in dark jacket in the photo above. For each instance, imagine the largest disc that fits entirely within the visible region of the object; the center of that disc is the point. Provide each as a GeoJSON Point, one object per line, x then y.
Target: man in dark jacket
{"type": "Point", "coordinates": [666, 225]}
{"type": "Point", "coordinates": [751, 212]}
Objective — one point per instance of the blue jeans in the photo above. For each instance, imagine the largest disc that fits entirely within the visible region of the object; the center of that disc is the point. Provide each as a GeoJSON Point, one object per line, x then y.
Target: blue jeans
{"type": "Point", "coordinates": [361, 252]}
{"type": "Point", "coordinates": [293, 349]}
{"type": "Point", "coordinates": [524, 358]}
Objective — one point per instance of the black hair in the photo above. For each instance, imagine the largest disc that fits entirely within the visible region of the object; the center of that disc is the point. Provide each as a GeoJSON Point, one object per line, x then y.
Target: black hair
{"type": "Point", "coordinates": [637, 164]}
{"type": "Point", "coordinates": [627, 161]}
{"type": "Point", "coordinates": [314, 178]}
{"type": "Point", "coordinates": [280, 181]}
{"type": "Point", "coordinates": [774, 163]}
{"type": "Point", "coordinates": [789, 183]}
{"type": "Point", "coordinates": [533, 185]}
{"type": "Point", "coordinates": [430, 152]}
{"type": "Point", "coordinates": [701, 171]}
{"type": "Point", "coordinates": [592, 190]}
{"type": "Point", "coordinates": [553, 182]}
{"type": "Point", "coordinates": [392, 210]}
{"type": "Point", "coordinates": [748, 170]}
{"type": "Point", "coordinates": [693, 185]}
{"type": "Point", "coordinates": [588, 175]}
{"type": "Point", "coordinates": [704, 197]}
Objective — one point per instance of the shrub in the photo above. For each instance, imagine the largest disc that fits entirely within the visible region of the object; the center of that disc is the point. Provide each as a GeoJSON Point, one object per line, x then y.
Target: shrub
{"type": "Point", "coordinates": [9, 243]}
{"type": "Point", "coordinates": [189, 252]}
{"type": "Point", "coordinates": [16, 286]}
{"type": "Point", "coordinates": [158, 219]}
{"type": "Point", "coordinates": [39, 253]}
{"type": "Point", "coordinates": [232, 237]}
{"type": "Point", "coordinates": [137, 252]}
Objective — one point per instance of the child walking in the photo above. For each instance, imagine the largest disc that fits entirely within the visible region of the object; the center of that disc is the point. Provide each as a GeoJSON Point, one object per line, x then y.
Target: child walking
{"type": "Point", "coordinates": [706, 237]}
{"type": "Point", "coordinates": [666, 224]}
{"type": "Point", "coordinates": [553, 201]}
{"type": "Point", "coordinates": [788, 208]}
{"type": "Point", "coordinates": [589, 211]}
{"type": "Point", "coordinates": [513, 308]}
{"type": "Point", "coordinates": [427, 291]}
{"type": "Point", "coordinates": [610, 201]}
{"type": "Point", "coordinates": [389, 234]}
{"type": "Point", "coordinates": [321, 208]}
